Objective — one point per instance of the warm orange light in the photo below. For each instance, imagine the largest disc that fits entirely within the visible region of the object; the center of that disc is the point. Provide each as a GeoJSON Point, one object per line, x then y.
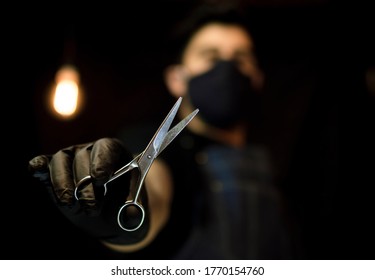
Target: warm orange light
{"type": "Point", "coordinates": [66, 97]}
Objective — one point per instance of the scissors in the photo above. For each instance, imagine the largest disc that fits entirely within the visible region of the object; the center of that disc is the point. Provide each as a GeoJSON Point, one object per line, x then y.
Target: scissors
{"type": "Point", "coordinates": [131, 215]}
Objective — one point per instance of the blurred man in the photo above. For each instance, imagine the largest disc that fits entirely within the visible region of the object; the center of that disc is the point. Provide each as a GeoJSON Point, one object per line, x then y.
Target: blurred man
{"type": "Point", "coordinates": [210, 194]}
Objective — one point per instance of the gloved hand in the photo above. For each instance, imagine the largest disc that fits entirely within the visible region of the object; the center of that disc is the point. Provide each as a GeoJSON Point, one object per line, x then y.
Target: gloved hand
{"type": "Point", "coordinates": [94, 212]}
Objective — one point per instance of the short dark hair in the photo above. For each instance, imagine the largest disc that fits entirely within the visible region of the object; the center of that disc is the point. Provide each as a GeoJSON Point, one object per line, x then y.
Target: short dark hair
{"type": "Point", "coordinates": [209, 11]}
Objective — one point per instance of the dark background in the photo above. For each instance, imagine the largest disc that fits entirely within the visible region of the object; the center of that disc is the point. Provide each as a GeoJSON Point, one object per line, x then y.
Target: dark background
{"type": "Point", "coordinates": [309, 63]}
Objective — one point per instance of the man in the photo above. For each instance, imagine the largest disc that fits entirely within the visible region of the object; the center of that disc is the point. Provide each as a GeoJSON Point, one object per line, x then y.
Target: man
{"type": "Point", "coordinates": [210, 194]}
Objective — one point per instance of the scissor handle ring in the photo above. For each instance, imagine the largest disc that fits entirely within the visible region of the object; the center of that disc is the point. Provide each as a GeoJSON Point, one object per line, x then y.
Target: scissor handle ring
{"type": "Point", "coordinates": [121, 212]}
{"type": "Point", "coordinates": [84, 182]}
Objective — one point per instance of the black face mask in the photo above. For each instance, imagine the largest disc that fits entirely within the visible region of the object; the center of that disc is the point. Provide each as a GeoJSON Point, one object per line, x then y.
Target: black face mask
{"type": "Point", "coordinates": [222, 94]}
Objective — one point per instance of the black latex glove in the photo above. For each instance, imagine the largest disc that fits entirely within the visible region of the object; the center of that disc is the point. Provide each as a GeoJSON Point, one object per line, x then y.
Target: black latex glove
{"type": "Point", "coordinates": [94, 213]}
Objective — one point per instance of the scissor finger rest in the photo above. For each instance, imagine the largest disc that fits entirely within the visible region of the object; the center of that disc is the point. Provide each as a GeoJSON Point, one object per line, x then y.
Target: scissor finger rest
{"type": "Point", "coordinates": [131, 215]}
{"type": "Point", "coordinates": [83, 183]}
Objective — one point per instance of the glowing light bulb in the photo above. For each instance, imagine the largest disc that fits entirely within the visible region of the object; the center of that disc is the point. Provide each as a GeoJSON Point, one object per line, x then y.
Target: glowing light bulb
{"type": "Point", "coordinates": [66, 97]}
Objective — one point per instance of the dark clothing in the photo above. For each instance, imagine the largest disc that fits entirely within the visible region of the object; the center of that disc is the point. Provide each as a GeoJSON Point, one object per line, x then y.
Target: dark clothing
{"type": "Point", "coordinates": [225, 205]}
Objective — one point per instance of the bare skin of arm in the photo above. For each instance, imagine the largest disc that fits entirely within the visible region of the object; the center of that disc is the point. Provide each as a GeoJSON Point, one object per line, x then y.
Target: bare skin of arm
{"type": "Point", "coordinates": [159, 188]}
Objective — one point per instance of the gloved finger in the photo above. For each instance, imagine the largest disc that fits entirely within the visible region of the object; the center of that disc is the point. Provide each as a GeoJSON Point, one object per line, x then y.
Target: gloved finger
{"type": "Point", "coordinates": [107, 156]}
{"type": "Point", "coordinates": [38, 166]}
{"type": "Point", "coordinates": [119, 156]}
{"type": "Point", "coordinates": [82, 169]}
{"type": "Point", "coordinates": [61, 171]}
{"type": "Point", "coordinates": [39, 169]}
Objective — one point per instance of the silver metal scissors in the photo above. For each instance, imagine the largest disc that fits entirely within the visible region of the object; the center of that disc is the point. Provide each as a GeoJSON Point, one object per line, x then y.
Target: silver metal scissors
{"type": "Point", "coordinates": [131, 215]}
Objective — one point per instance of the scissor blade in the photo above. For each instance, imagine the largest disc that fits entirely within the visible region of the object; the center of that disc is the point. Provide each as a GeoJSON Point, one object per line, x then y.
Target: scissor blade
{"type": "Point", "coordinates": [153, 147]}
{"type": "Point", "coordinates": [160, 134]}
{"type": "Point", "coordinates": [176, 130]}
